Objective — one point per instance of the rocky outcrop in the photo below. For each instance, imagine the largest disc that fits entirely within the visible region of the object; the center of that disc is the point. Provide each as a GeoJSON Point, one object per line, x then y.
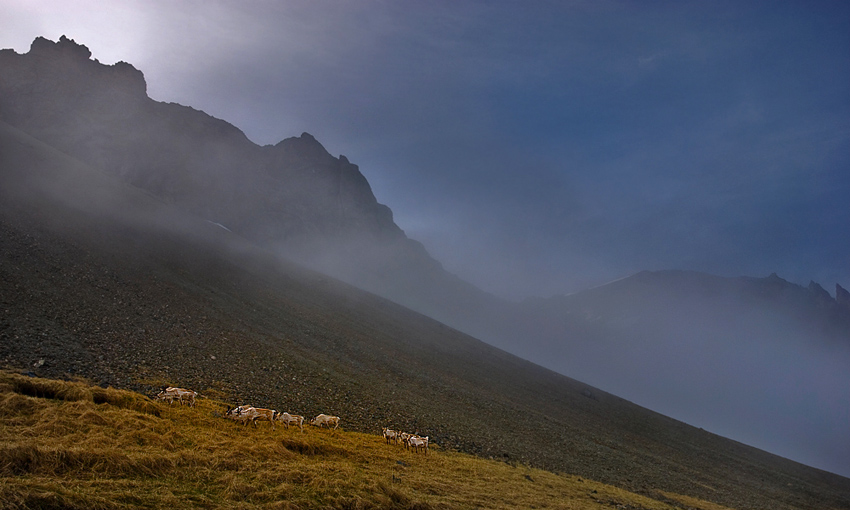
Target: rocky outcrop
{"type": "Point", "coordinates": [816, 289]}
{"type": "Point", "coordinates": [842, 296]}
{"type": "Point", "coordinates": [340, 191]}
{"type": "Point", "coordinates": [42, 88]}
{"type": "Point", "coordinates": [820, 296]}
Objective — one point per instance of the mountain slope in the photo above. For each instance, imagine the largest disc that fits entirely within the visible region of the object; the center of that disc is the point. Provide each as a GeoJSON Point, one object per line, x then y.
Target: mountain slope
{"type": "Point", "coordinates": [144, 293]}
{"type": "Point", "coordinates": [293, 198]}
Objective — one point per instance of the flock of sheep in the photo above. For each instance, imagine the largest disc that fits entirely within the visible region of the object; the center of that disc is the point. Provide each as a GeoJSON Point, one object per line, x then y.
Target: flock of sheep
{"type": "Point", "coordinates": [249, 414]}
{"type": "Point", "coordinates": [414, 441]}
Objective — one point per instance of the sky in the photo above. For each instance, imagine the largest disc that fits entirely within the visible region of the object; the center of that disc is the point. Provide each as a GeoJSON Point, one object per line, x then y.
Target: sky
{"type": "Point", "coordinates": [534, 148]}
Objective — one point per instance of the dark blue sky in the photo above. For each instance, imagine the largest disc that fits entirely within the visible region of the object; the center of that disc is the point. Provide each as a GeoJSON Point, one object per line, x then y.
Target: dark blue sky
{"type": "Point", "coordinates": [539, 149]}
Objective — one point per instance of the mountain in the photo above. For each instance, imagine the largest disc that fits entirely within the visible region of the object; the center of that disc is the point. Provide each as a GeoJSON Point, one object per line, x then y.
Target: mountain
{"type": "Point", "coordinates": [104, 280]}
{"type": "Point", "coordinates": [651, 305]}
{"type": "Point", "coordinates": [759, 359]}
{"type": "Point", "coordinates": [142, 243]}
{"type": "Point", "coordinates": [102, 116]}
{"type": "Point", "coordinates": [293, 197]}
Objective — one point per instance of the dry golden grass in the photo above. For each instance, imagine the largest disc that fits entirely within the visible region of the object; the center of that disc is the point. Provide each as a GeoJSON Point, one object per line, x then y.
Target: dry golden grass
{"type": "Point", "coordinates": [71, 445]}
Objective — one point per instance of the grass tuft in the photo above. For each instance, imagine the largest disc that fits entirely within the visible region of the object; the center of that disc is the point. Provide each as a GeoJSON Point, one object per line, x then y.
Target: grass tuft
{"type": "Point", "coordinates": [305, 448]}
{"type": "Point", "coordinates": [78, 391]}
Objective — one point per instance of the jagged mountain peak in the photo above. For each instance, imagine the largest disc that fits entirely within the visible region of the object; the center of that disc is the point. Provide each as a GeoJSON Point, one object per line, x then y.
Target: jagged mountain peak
{"type": "Point", "coordinates": [816, 289]}
{"type": "Point", "coordinates": [66, 54]}
{"type": "Point", "coordinates": [771, 285]}
{"type": "Point", "coordinates": [63, 48]}
{"type": "Point", "coordinates": [306, 142]}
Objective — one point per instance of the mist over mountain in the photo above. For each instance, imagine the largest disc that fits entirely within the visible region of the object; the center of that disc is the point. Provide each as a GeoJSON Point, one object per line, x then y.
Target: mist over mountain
{"type": "Point", "coordinates": [290, 193]}
{"type": "Point", "coordinates": [729, 354]}
{"type": "Point", "coordinates": [759, 359]}
{"type": "Point", "coordinates": [293, 197]}
{"type": "Point", "coordinates": [104, 280]}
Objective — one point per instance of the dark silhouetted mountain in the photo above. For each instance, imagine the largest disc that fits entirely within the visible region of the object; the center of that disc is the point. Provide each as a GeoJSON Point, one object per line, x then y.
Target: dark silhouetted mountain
{"type": "Point", "coordinates": [293, 197]}
{"type": "Point", "coordinates": [102, 116]}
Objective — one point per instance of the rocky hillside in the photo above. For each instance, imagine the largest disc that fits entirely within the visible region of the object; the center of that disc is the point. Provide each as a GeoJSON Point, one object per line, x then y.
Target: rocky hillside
{"type": "Point", "coordinates": [104, 280]}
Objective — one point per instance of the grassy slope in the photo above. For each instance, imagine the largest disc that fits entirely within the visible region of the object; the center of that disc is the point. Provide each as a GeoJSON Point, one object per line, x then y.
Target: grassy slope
{"type": "Point", "coordinates": [71, 445]}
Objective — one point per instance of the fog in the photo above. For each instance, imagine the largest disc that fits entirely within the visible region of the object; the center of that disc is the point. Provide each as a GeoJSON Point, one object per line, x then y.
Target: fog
{"type": "Point", "coordinates": [540, 151]}
{"type": "Point", "coordinates": [737, 360]}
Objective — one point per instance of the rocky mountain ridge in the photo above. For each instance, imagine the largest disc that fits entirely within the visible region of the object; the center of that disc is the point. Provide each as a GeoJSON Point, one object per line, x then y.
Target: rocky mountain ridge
{"type": "Point", "coordinates": [101, 114]}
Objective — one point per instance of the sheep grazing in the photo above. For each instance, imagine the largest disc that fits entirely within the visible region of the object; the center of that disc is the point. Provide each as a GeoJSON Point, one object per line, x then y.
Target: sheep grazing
{"type": "Point", "coordinates": [325, 420]}
{"type": "Point", "coordinates": [414, 441]}
{"type": "Point", "coordinates": [187, 396]}
{"type": "Point", "coordinates": [236, 414]}
{"type": "Point", "coordinates": [182, 395]}
{"type": "Point", "coordinates": [390, 435]}
{"type": "Point", "coordinates": [403, 437]}
{"type": "Point", "coordinates": [260, 414]}
{"type": "Point", "coordinates": [291, 419]}
{"type": "Point", "coordinates": [417, 442]}
{"type": "Point", "coordinates": [167, 393]}
{"type": "Point", "coordinates": [247, 414]}
{"type": "Point", "coordinates": [236, 411]}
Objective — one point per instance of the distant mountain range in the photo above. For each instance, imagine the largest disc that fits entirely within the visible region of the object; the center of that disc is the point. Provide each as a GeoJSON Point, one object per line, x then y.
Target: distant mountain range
{"type": "Point", "coordinates": [108, 191]}
{"type": "Point", "coordinates": [650, 306]}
